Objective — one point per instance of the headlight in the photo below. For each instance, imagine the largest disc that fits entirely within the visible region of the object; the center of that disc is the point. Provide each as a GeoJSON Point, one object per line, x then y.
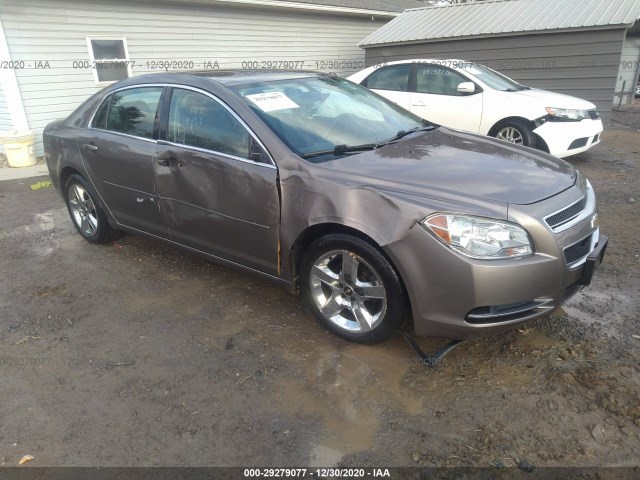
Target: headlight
{"type": "Point", "coordinates": [478, 237]}
{"type": "Point", "coordinates": [567, 114]}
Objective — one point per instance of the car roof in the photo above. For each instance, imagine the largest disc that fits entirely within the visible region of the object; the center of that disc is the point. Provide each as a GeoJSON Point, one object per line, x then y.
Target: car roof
{"type": "Point", "coordinates": [444, 61]}
{"type": "Point", "coordinates": [238, 77]}
{"type": "Point", "coordinates": [226, 77]}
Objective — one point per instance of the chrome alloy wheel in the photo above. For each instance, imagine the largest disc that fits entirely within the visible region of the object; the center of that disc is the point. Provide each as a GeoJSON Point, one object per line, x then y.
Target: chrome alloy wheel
{"type": "Point", "coordinates": [348, 291]}
{"type": "Point", "coordinates": [83, 210]}
{"type": "Point", "coordinates": [511, 135]}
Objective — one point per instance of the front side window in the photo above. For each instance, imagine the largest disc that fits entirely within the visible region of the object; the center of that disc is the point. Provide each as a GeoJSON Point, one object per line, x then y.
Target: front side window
{"type": "Point", "coordinates": [109, 59]}
{"type": "Point", "coordinates": [390, 78]}
{"type": "Point", "coordinates": [132, 111]}
{"type": "Point", "coordinates": [199, 121]}
{"type": "Point", "coordinates": [493, 79]}
{"type": "Point", "coordinates": [438, 80]}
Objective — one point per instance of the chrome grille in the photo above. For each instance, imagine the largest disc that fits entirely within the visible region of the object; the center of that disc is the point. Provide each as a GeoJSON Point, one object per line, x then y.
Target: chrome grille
{"type": "Point", "coordinates": [563, 216]}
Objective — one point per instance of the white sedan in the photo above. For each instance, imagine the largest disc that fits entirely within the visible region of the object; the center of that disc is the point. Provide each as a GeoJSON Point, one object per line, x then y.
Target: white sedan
{"type": "Point", "coordinates": [471, 97]}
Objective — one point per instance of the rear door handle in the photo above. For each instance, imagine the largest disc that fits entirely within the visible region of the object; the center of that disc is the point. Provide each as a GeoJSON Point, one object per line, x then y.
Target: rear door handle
{"type": "Point", "coordinates": [418, 104]}
{"type": "Point", "coordinates": [90, 146]}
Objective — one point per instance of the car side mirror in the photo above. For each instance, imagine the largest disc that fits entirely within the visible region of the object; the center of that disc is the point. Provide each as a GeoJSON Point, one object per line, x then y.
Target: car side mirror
{"type": "Point", "coordinates": [467, 87]}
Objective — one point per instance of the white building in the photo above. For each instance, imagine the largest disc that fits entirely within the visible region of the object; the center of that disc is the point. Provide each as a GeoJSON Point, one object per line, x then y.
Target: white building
{"type": "Point", "coordinates": [54, 54]}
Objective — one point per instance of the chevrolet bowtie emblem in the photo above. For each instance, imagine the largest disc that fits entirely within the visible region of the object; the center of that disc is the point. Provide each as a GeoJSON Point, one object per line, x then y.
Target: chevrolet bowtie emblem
{"type": "Point", "coordinates": [595, 221]}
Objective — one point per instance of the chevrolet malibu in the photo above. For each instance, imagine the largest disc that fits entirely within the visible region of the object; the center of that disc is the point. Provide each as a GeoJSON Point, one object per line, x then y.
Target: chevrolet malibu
{"type": "Point", "coordinates": [471, 97]}
{"type": "Point", "coordinates": [374, 215]}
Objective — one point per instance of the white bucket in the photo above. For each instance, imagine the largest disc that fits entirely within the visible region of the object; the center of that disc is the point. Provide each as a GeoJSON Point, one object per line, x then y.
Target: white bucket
{"type": "Point", "coordinates": [18, 147]}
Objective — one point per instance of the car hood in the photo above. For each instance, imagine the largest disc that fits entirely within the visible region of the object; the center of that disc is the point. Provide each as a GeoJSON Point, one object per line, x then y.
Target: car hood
{"type": "Point", "coordinates": [461, 164]}
{"type": "Point", "coordinates": [552, 99]}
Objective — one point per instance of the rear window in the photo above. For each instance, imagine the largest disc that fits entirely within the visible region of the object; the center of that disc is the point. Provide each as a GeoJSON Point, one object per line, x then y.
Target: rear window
{"type": "Point", "coordinates": [390, 78]}
{"type": "Point", "coordinates": [132, 111]}
{"type": "Point", "coordinates": [100, 118]}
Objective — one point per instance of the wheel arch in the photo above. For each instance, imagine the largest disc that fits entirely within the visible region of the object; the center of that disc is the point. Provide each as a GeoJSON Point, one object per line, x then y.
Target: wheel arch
{"type": "Point", "coordinates": [310, 235]}
{"type": "Point", "coordinates": [65, 173]}
{"type": "Point", "coordinates": [314, 232]}
{"type": "Point", "coordinates": [69, 170]}
{"type": "Point", "coordinates": [494, 129]}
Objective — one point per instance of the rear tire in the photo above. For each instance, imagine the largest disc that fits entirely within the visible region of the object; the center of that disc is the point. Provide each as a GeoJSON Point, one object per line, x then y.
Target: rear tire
{"type": "Point", "coordinates": [352, 289]}
{"type": "Point", "coordinates": [86, 213]}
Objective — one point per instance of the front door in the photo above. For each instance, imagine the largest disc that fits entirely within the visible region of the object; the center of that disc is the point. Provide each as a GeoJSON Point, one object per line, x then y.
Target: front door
{"type": "Point", "coordinates": [118, 151]}
{"type": "Point", "coordinates": [437, 99]}
{"type": "Point", "coordinates": [215, 197]}
{"type": "Point", "coordinates": [392, 82]}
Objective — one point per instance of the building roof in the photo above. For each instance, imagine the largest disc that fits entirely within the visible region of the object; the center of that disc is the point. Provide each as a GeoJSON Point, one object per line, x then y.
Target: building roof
{"type": "Point", "coordinates": [503, 17]}
{"type": "Point", "coordinates": [387, 8]}
{"type": "Point", "coordinates": [382, 5]}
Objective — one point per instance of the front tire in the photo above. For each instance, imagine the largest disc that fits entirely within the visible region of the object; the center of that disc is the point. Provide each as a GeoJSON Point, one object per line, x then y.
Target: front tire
{"type": "Point", "coordinates": [515, 131]}
{"type": "Point", "coordinates": [86, 213]}
{"type": "Point", "coordinates": [352, 289]}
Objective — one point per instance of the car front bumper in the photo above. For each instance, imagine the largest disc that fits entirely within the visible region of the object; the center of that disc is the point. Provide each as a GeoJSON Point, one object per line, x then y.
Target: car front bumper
{"type": "Point", "coordinates": [460, 297]}
{"type": "Point", "coordinates": [569, 138]}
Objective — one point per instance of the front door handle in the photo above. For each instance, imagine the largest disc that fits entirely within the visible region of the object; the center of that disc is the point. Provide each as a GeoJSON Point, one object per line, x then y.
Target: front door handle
{"type": "Point", "coordinates": [171, 162]}
{"type": "Point", "coordinates": [90, 146]}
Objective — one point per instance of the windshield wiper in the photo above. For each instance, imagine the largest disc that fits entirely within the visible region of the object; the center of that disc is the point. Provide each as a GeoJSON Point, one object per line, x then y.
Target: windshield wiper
{"type": "Point", "coordinates": [338, 149]}
{"type": "Point", "coordinates": [519, 89]}
{"type": "Point", "coordinates": [404, 133]}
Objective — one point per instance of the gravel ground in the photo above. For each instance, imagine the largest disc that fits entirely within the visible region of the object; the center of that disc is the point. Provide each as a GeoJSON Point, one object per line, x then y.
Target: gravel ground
{"type": "Point", "coordinates": [136, 353]}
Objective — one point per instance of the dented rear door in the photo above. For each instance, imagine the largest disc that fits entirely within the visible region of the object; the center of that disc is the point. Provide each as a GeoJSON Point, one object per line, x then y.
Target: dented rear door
{"type": "Point", "coordinates": [118, 151]}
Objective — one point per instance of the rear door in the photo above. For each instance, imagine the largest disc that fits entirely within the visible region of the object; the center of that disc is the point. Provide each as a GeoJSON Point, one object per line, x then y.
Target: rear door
{"type": "Point", "coordinates": [437, 99]}
{"type": "Point", "coordinates": [118, 150]}
{"type": "Point", "coordinates": [392, 82]}
{"type": "Point", "coordinates": [217, 185]}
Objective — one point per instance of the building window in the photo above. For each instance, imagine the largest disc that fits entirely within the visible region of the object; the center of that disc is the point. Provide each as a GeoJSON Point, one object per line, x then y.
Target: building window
{"type": "Point", "coordinates": [109, 59]}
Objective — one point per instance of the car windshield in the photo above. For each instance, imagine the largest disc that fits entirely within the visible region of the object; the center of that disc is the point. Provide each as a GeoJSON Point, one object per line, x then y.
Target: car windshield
{"type": "Point", "coordinates": [324, 117]}
{"type": "Point", "coordinates": [493, 79]}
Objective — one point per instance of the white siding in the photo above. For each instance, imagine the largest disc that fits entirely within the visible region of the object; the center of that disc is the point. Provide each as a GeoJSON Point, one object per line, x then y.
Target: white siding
{"type": "Point", "coordinates": [628, 71]}
{"type": "Point", "coordinates": [55, 31]}
{"type": "Point", "coordinates": [5, 117]}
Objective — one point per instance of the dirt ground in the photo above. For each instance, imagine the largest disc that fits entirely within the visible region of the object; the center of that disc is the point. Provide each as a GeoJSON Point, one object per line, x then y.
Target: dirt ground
{"type": "Point", "coordinates": [137, 354]}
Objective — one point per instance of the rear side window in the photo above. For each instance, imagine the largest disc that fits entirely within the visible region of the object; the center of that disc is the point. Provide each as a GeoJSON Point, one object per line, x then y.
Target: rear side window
{"type": "Point", "coordinates": [438, 80]}
{"type": "Point", "coordinates": [100, 118]}
{"type": "Point", "coordinates": [390, 78]}
{"type": "Point", "coordinates": [199, 121]}
{"type": "Point", "coordinates": [132, 111]}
